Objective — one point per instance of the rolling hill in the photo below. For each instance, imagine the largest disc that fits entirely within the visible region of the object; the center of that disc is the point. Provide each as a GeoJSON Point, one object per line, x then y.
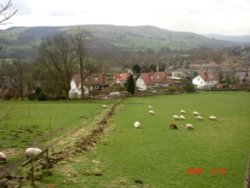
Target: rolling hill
{"type": "Point", "coordinates": [24, 41]}
{"type": "Point", "coordinates": [238, 39]}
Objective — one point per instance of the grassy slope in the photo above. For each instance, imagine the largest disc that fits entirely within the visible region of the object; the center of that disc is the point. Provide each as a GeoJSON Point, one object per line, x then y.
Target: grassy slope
{"type": "Point", "coordinates": [160, 156]}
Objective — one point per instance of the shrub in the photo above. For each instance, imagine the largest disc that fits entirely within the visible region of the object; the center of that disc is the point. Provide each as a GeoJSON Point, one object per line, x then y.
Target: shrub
{"type": "Point", "coordinates": [130, 85]}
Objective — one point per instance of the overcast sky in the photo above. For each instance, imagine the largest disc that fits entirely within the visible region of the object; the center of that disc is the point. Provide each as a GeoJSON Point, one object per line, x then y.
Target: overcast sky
{"type": "Point", "coordinates": [228, 17]}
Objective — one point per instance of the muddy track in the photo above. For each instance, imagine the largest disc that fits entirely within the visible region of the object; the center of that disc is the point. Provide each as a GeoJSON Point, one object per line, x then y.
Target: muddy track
{"type": "Point", "coordinates": [87, 142]}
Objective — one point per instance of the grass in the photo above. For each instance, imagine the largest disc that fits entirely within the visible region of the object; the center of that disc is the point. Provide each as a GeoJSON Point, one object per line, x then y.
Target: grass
{"type": "Point", "coordinates": [155, 155]}
{"type": "Point", "coordinates": [26, 122]}
{"type": "Point", "coordinates": [159, 156]}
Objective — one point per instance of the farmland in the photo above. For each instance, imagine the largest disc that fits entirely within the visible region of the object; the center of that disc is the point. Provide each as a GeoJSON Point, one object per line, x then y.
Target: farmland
{"type": "Point", "coordinates": [25, 123]}
{"type": "Point", "coordinates": [154, 155]}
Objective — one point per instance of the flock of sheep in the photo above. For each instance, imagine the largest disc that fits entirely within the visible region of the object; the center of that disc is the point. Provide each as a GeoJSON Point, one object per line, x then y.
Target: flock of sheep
{"type": "Point", "coordinates": [182, 117]}
{"type": "Point", "coordinates": [29, 153]}
{"type": "Point", "coordinates": [32, 152]}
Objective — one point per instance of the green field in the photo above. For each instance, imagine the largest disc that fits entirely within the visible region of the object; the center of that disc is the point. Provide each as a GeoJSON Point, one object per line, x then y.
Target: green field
{"type": "Point", "coordinates": [159, 156]}
{"type": "Point", "coordinates": [25, 123]}
{"type": "Point", "coordinates": [154, 155]}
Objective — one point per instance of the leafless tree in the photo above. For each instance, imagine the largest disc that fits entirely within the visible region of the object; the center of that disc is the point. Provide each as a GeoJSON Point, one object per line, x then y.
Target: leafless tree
{"type": "Point", "coordinates": [5, 12]}
{"type": "Point", "coordinates": [78, 39]}
{"type": "Point", "coordinates": [57, 64]}
{"type": "Point", "coordinates": [17, 77]}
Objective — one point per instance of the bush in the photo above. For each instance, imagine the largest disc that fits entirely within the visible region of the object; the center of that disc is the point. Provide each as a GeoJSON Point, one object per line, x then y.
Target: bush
{"type": "Point", "coordinates": [189, 88]}
{"type": "Point", "coordinates": [130, 85]}
{"type": "Point", "coordinates": [38, 94]}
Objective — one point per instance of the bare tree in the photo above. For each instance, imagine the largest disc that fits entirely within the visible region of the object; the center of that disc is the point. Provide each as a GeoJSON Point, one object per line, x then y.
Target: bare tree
{"type": "Point", "coordinates": [5, 13]}
{"type": "Point", "coordinates": [16, 77]}
{"type": "Point", "coordinates": [78, 40]}
{"type": "Point", "coordinates": [23, 73]}
{"type": "Point", "coordinates": [57, 64]}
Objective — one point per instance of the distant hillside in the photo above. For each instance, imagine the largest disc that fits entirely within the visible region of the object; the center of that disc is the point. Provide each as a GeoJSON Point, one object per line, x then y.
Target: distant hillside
{"type": "Point", "coordinates": [23, 41]}
{"type": "Point", "coordinates": [238, 39]}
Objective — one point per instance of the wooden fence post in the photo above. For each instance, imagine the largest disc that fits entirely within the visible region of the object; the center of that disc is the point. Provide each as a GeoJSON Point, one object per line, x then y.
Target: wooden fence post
{"type": "Point", "coordinates": [32, 173]}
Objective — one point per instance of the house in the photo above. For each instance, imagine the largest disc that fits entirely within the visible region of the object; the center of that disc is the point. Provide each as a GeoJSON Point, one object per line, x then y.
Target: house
{"type": "Point", "coordinates": [177, 75]}
{"type": "Point", "coordinates": [205, 80]}
{"type": "Point", "coordinates": [96, 82]}
{"type": "Point", "coordinates": [154, 79]}
{"type": "Point", "coordinates": [140, 84]}
{"type": "Point", "coordinates": [145, 80]}
{"type": "Point", "coordinates": [121, 78]}
{"type": "Point", "coordinates": [241, 77]}
{"type": "Point", "coordinates": [93, 84]}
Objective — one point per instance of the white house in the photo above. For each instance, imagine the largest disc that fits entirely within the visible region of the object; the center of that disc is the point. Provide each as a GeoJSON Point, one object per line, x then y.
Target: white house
{"type": "Point", "coordinates": [75, 88]}
{"type": "Point", "coordinates": [205, 81]}
{"type": "Point", "coordinates": [140, 84]}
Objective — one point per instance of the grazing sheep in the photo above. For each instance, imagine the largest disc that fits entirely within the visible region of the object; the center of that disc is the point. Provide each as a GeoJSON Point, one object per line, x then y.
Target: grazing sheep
{"type": "Point", "coordinates": [182, 117]}
{"type": "Point", "coordinates": [32, 152]}
{"type": "Point", "coordinates": [150, 107]}
{"type": "Point", "coordinates": [199, 117]}
{"type": "Point", "coordinates": [151, 112]}
{"type": "Point", "coordinates": [173, 126]}
{"type": "Point", "coordinates": [137, 124]}
{"type": "Point", "coordinates": [3, 157]}
{"type": "Point", "coordinates": [104, 106]}
{"type": "Point", "coordinates": [212, 117]}
{"type": "Point", "coordinates": [183, 112]}
{"type": "Point", "coordinates": [189, 126]}
{"type": "Point", "coordinates": [196, 113]}
{"type": "Point", "coordinates": [176, 117]}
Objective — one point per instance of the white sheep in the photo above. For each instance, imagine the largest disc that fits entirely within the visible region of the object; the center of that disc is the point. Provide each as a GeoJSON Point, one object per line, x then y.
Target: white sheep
{"type": "Point", "coordinates": [196, 113]}
{"type": "Point", "coordinates": [3, 157]}
{"type": "Point", "coordinates": [151, 112]}
{"type": "Point", "coordinates": [199, 117]}
{"type": "Point", "coordinates": [176, 117]}
{"type": "Point", "coordinates": [32, 152]}
{"type": "Point", "coordinates": [137, 124]}
{"type": "Point", "coordinates": [183, 112]}
{"type": "Point", "coordinates": [182, 117]}
{"type": "Point", "coordinates": [104, 106]}
{"type": "Point", "coordinates": [150, 107]}
{"type": "Point", "coordinates": [189, 126]}
{"type": "Point", "coordinates": [212, 117]}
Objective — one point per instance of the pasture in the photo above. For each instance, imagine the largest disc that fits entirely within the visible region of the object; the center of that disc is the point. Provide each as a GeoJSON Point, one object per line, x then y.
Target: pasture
{"type": "Point", "coordinates": [25, 123]}
{"type": "Point", "coordinates": [213, 155]}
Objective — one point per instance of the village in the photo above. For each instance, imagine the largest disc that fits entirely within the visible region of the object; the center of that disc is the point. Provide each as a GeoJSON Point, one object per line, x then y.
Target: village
{"type": "Point", "coordinates": [205, 76]}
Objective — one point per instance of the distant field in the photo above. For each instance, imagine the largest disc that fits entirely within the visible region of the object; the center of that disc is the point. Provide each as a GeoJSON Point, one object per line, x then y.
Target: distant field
{"type": "Point", "coordinates": [160, 157]}
{"type": "Point", "coordinates": [24, 122]}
